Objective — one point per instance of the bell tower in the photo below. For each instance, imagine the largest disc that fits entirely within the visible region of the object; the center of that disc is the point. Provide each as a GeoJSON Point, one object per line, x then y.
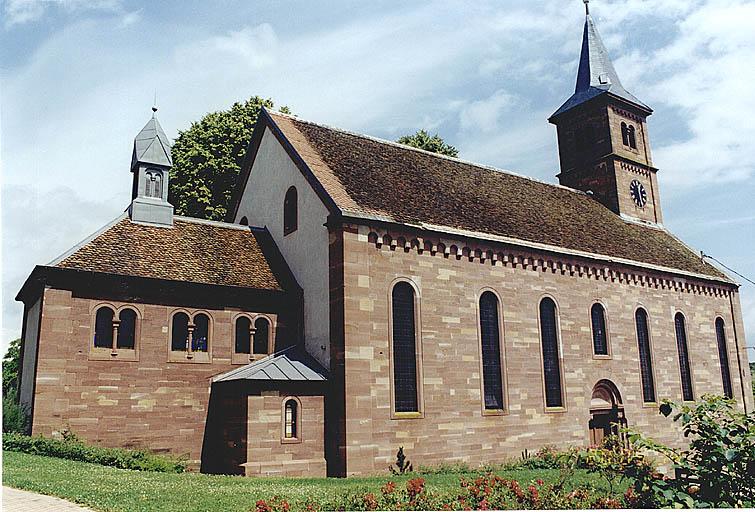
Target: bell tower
{"type": "Point", "coordinates": [150, 164]}
{"type": "Point", "coordinates": [603, 142]}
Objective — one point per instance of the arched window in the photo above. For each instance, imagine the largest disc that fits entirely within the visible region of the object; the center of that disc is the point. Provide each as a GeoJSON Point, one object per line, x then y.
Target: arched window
{"type": "Point", "coordinates": [261, 336]}
{"type": "Point", "coordinates": [723, 357]}
{"type": "Point", "coordinates": [404, 349]}
{"type": "Point", "coordinates": [243, 335]}
{"type": "Point", "coordinates": [201, 335]}
{"type": "Point", "coordinates": [551, 359]}
{"type": "Point", "coordinates": [599, 337]}
{"type": "Point", "coordinates": [244, 221]}
{"type": "Point", "coordinates": [127, 329]}
{"type": "Point", "coordinates": [624, 134]}
{"type": "Point", "coordinates": [490, 338]}
{"type": "Point", "coordinates": [632, 137]}
{"type": "Point", "coordinates": [646, 360]}
{"type": "Point", "coordinates": [103, 328]}
{"type": "Point", "coordinates": [681, 346]}
{"type": "Point", "coordinates": [153, 185]}
{"type": "Point", "coordinates": [290, 419]}
{"type": "Point", "coordinates": [290, 212]}
{"type": "Point", "coordinates": [179, 332]}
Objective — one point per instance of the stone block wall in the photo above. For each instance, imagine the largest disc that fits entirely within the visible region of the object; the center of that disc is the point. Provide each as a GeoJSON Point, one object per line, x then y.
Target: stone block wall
{"type": "Point", "coordinates": [453, 426]}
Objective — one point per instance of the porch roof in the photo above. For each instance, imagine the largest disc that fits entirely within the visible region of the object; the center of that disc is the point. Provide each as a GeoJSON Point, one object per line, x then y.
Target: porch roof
{"type": "Point", "coordinates": [290, 364]}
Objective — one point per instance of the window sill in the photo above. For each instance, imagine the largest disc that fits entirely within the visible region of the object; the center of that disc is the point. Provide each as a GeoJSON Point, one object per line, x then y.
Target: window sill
{"type": "Point", "coordinates": [648, 405]}
{"type": "Point", "coordinates": [106, 354]}
{"type": "Point", "coordinates": [183, 357]}
{"type": "Point", "coordinates": [602, 356]}
{"type": "Point", "coordinates": [407, 415]}
{"type": "Point", "coordinates": [494, 412]}
{"type": "Point", "coordinates": [555, 410]}
{"type": "Point", "coordinates": [293, 440]}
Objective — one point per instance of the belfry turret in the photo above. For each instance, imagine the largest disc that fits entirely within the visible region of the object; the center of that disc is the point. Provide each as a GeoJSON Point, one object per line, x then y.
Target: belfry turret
{"type": "Point", "coordinates": [603, 143]}
{"type": "Point", "coordinates": [151, 163]}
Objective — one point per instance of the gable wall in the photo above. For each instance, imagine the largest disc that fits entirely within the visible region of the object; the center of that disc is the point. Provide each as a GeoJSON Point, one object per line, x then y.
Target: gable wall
{"type": "Point", "coordinates": [453, 427]}
{"type": "Point", "coordinates": [306, 249]}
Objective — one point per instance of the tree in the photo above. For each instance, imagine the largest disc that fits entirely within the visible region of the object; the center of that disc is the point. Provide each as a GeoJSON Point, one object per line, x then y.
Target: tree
{"type": "Point", "coordinates": [207, 159]}
{"type": "Point", "coordinates": [15, 416]}
{"type": "Point", "coordinates": [434, 144]}
{"type": "Point", "coordinates": [11, 364]}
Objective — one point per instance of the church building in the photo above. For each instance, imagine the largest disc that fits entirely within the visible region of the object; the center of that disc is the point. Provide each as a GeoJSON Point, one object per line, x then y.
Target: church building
{"type": "Point", "coordinates": [364, 295]}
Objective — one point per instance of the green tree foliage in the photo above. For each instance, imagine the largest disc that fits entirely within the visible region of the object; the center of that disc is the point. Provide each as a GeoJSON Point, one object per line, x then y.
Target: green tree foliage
{"type": "Point", "coordinates": [11, 363]}
{"type": "Point", "coordinates": [15, 416]}
{"type": "Point", "coordinates": [207, 159]}
{"type": "Point", "coordinates": [434, 143]}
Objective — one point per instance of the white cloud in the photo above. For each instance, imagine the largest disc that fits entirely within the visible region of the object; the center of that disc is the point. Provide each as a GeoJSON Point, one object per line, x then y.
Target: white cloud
{"type": "Point", "coordinates": [483, 115]}
{"type": "Point", "coordinates": [18, 12]}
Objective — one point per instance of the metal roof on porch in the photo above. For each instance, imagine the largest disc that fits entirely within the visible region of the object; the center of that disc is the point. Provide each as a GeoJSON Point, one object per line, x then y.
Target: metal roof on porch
{"type": "Point", "coordinates": [291, 364]}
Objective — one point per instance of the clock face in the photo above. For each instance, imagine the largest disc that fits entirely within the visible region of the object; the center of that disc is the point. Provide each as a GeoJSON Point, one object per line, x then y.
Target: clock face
{"type": "Point", "coordinates": [638, 193]}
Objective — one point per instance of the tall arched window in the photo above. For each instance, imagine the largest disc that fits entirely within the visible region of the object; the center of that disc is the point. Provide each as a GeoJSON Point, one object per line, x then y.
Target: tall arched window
{"type": "Point", "coordinates": [290, 212]}
{"type": "Point", "coordinates": [599, 336]}
{"type": "Point", "coordinates": [632, 137]}
{"type": "Point", "coordinates": [179, 332]}
{"type": "Point", "coordinates": [646, 362]}
{"type": "Point", "coordinates": [723, 357]}
{"type": "Point", "coordinates": [551, 359]}
{"type": "Point", "coordinates": [201, 334]}
{"type": "Point", "coordinates": [103, 328]}
{"type": "Point", "coordinates": [490, 337]}
{"type": "Point", "coordinates": [290, 419]}
{"type": "Point", "coordinates": [404, 349]}
{"type": "Point", "coordinates": [684, 368]}
{"type": "Point", "coordinates": [243, 335]}
{"type": "Point", "coordinates": [261, 336]}
{"type": "Point", "coordinates": [624, 134]}
{"type": "Point", "coordinates": [127, 329]}
{"type": "Point", "coordinates": [682, 349]}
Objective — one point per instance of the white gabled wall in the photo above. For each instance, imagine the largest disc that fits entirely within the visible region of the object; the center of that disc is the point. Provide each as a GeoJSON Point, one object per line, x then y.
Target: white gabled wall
{"type": "Point", "coordinates": [306, 249]}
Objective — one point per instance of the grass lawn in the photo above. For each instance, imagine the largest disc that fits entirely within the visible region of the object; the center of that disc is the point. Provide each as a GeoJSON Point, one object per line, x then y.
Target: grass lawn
{"type": "Point", "coordinates": [106, 488]}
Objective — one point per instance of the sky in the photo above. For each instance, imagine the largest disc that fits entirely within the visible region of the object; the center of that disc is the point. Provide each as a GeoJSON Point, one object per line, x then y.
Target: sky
{"type": "Point", "coordinates": [78, 78]}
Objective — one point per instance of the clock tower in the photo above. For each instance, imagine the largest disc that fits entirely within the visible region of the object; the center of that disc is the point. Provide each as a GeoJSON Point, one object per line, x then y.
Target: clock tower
{"type": "Point", "coordinates": [603, 141]}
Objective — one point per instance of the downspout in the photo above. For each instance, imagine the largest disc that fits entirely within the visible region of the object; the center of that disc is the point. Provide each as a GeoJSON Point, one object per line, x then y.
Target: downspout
{"type": "Point", "coordinates": [736, 346]}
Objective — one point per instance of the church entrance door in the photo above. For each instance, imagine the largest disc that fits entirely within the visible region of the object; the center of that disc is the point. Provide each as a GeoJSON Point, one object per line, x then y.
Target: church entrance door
{"type": "Point", "coordinates": [606, 413]}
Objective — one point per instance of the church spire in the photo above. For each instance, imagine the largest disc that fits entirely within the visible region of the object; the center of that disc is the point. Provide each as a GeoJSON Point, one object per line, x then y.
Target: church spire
{"type": "Point", "coordinates": [596, 74]}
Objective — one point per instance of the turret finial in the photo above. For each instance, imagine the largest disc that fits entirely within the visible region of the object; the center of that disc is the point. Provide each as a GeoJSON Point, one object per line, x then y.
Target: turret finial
{"type": "Point", "coordinates": [587, 7]}
{"type": "Point", "coordinates": [154, 105]}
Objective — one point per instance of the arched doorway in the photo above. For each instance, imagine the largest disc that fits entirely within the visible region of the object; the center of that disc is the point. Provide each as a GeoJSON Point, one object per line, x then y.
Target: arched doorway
{"type": "Point", "coordinates": [606, 412]}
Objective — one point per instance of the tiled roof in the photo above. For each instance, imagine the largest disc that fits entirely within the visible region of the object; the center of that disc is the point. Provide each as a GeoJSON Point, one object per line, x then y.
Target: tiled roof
{"type": "Point", "coordinates": [291, 364]}
{"type": "Point", "coordinates": [373, 179]}
{"type": "Point", "coordinates": [192, 251]}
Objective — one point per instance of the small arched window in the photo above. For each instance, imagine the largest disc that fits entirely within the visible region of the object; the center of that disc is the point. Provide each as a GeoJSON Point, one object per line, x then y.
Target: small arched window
{"type": "Point", "coordinates": [201, 335]}
{"type": "Point", "coordinates": [243, 335]}
{"type": "Point", "coordinates": [632, 137]}
{"type": "Point", "coordinates": [490, 337]}
{"type": "Point", "coordinates": [103, 328]}
{"type": "Point", "coordinates": [261, 336]}
{"type": "Point", "coordinates": [290, 419]}
{"type": "Point", "coordinates": [244, 221]}
{"type": "Point", "coordinates": [290, 212]}
{"type": "Point", "coordinates": [683, 350]}
{"type": "Point", "coordinates": [599, 337]}
{"type": "Point", "coordinates": [127, 329]}
{"type": "Point", "coordinates": [153, 185]}
{"type": "Point", "coordinates": [723, 357]}
{"type": "Point", "coordinates": [179, 332]}
{"type": "Point", "coordinates": [404, 348]}
{"type": "Point", "coordinates": [646, 360]}
{"type": "Point", "coordinates": [624, 134]}
{"type": "Point", "coordinates": [551, 359]}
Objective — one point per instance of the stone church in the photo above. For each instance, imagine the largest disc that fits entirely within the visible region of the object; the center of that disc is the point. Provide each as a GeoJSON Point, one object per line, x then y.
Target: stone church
{"type": "Point", "coordinates": [387, 297]}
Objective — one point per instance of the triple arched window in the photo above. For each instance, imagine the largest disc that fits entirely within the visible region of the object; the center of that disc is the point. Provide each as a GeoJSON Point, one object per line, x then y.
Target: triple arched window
{"type": "Point", "coordinates": [490, 339]}
{"type": "Point", "coordinates": [628, 135]}
{"type": "Point", "coordinates": [683, 350]}
{"type": "Point", "coordinates": [190, 336]}
{"type": "Point", "coordinates": [114, 333]}
{"type": "Point", "coordinates": [404, 349]}
{"type": "Point", "coordinates": [599, 334]}
{"type": "Point", "coordinates": [290, 211]}
{"type": "Point", "coordinates": [723, 357]}
{"type": "Point", "coordinates": [646, 359]}
{"type": "Point", "coordinates": [550, 350]}
{"type": "Point", "coordinates": [253, 338]}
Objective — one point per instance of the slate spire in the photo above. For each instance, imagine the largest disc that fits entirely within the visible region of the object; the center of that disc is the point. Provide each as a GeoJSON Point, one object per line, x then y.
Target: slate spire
{"type": "Point", "coordinates": [596, 74]}
{"type": "Point", "coordinates": [151, 145]}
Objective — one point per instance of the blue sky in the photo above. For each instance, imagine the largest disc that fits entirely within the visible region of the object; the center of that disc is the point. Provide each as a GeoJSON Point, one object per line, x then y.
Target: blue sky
{"type": "Point", "coordinates": [78, 79]}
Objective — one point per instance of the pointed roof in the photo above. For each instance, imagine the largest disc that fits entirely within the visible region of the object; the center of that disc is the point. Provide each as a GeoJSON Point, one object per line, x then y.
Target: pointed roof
{"type": "Point", "coordinates": [151, 145]}
{"type": "Point", "coordinates": [596, 73]}
{"type": "Point", "coordinates": [290, 364]}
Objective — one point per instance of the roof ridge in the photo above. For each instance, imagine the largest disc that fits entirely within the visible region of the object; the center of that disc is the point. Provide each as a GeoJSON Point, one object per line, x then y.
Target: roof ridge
{"type": "Point", "coordinates": [430, 153]}
{"type": "Point", "coordinates": [216, 223]}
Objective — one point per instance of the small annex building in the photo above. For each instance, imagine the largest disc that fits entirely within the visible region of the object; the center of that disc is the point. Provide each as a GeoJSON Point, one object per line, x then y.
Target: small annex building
{"type": "Point", "coordinates": [387, 297]}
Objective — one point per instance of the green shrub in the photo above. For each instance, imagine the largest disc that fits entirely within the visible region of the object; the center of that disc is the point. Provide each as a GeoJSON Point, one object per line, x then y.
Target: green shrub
{"type": "Point", "coordinates": [74, 449]}
{"type": "Point", "coordinates": [15, 415]}
{"type": "Point", "coordinates": [718, 468]}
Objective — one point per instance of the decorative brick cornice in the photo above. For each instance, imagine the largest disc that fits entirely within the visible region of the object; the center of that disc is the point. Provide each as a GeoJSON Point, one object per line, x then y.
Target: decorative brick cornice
{"type": "Point", "coordinates": [635, 169]}
{"type": "Point", "coordinates": [625, 113]}
{"type": "Point", "coordinates": [506, 256]}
